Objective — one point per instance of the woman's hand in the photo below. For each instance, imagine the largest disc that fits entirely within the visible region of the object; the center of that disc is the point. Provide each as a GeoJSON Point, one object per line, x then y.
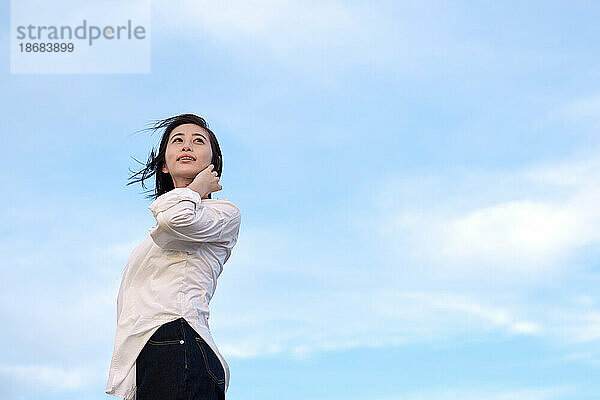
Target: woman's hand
{"type": "Point", "coordinates": [206, 182]}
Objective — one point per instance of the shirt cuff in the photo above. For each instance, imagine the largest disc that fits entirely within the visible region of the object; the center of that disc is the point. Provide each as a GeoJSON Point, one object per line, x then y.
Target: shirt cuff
{"type": "Point", "coordinates": [172, 197]}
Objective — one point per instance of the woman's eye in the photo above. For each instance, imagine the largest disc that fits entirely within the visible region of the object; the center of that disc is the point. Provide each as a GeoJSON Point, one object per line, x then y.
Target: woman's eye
{"type": "Point", "coordinates": [176, 139]}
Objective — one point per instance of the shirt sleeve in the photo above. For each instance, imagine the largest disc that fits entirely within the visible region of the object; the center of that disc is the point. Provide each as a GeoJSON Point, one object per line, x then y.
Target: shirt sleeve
{"type": "Point", "coordinates": [183, 221]}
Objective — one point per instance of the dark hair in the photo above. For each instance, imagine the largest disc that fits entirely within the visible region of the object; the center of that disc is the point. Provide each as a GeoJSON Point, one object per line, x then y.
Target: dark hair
{"type": "Point", "coordinates": [153, 166]}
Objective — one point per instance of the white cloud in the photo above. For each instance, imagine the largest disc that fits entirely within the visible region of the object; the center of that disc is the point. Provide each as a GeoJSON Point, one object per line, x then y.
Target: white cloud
{"type": "Point", "coordinates": [582, 112]}
{"type": "Point", "coordinates": [581, 327]}
{"type": "Point", "coordinates": [508, 227]}
{"type": "Point", "coordinates": [464, 307]}
{"type": "Point", "coordinates": [487, 393]}
{"type": "Point", "coordinates": [342, 320]}
{"type": "Point", "coordinates": [50, 377]}
{"type": "Point", "coordinates": [514, 235]}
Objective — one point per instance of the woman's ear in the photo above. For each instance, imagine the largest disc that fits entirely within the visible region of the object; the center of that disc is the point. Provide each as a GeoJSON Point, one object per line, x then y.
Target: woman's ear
{"type": "Point", "coordinates": [164, 168]}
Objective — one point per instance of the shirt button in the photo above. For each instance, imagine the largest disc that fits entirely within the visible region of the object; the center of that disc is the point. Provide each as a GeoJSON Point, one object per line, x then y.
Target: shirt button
{"type": "Point", "coordinates": [181, 341]}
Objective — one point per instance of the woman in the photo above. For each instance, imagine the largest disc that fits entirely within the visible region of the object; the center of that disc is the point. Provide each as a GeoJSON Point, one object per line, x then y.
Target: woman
{"type": "Point", "coordinates": [163, 345]}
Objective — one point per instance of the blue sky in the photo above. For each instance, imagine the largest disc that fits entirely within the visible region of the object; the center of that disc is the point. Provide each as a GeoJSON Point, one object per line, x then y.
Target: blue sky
{"type": "Point", "coordinates": [418, 182]}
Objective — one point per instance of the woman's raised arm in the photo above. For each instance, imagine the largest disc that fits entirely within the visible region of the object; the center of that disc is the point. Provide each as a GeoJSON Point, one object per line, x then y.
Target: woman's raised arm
{"type": "Point", "coordinates": [184, 221]}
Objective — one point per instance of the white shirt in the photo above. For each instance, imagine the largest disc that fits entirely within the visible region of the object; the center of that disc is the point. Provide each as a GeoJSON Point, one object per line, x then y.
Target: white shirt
{"type": "Point", "coordinates": [171, 274]}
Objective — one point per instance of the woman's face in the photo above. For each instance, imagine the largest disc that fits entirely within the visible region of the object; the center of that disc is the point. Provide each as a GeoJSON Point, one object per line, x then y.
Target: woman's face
{"type": "Point", "coordinates": [187, 140]}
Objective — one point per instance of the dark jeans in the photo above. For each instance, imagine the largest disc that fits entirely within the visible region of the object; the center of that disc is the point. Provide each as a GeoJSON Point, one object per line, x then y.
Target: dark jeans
{"type": "Point", "coordinates": [167, 369]}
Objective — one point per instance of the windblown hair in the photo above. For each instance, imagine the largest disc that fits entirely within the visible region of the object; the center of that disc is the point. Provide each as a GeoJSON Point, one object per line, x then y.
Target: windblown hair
{"type": "Point", "coordinates": [156, 160]}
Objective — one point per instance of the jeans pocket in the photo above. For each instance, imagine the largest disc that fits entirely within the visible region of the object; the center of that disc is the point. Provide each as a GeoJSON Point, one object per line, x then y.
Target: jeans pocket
{"type": "Point", "coordinates": [212, 362]}
{"type": "Point", "coordinates": [152, 342]}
